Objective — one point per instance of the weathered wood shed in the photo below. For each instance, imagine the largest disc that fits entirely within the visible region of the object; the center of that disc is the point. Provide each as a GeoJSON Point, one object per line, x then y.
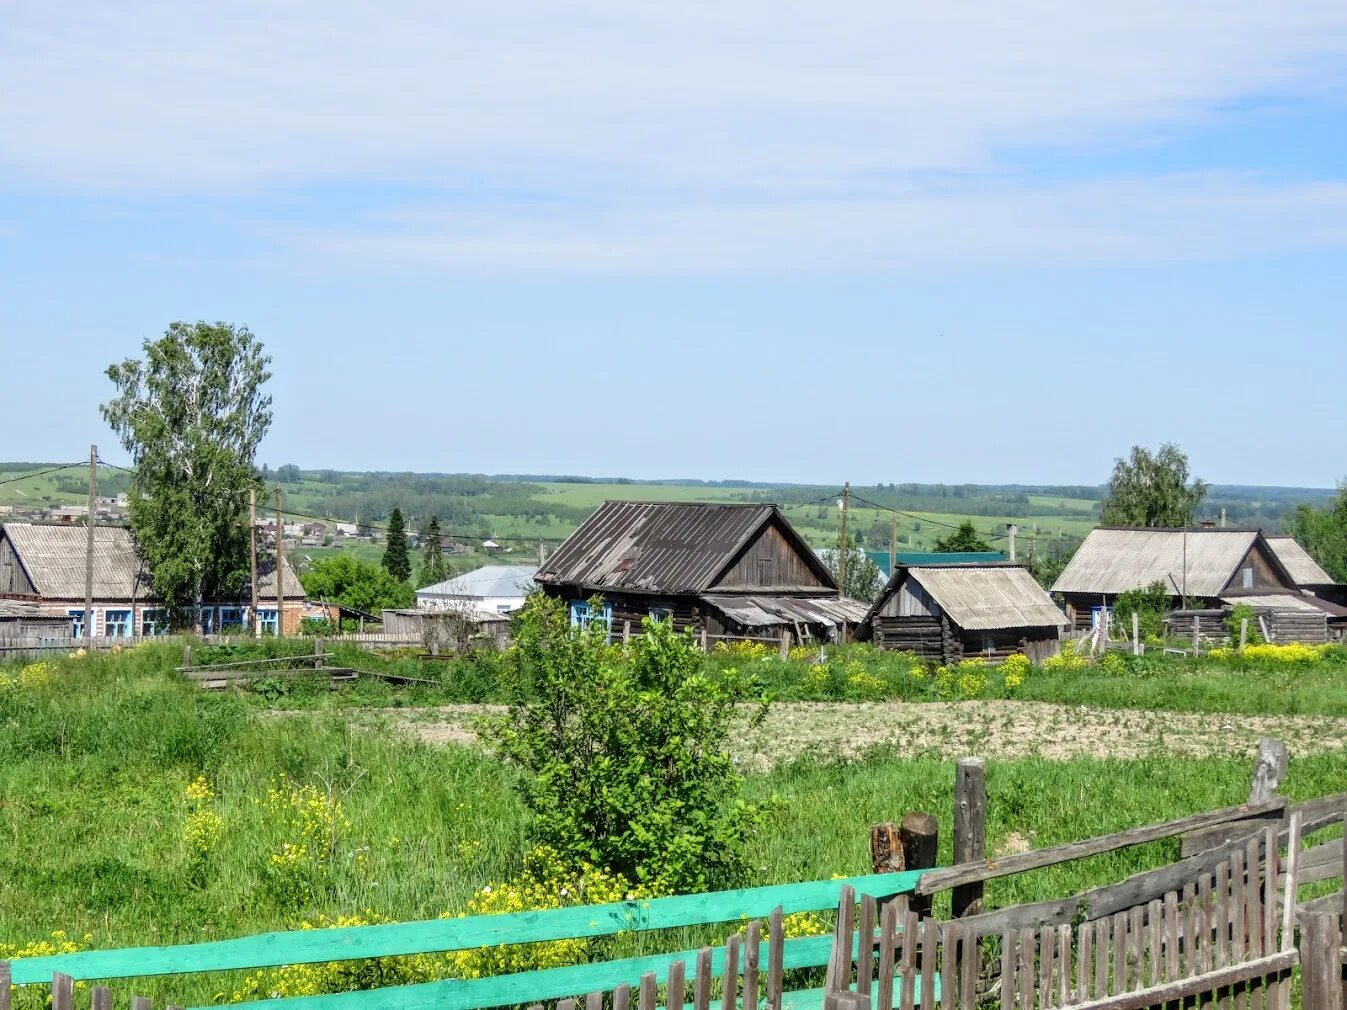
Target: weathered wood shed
{"type": "Point", "coordinates": [26, 620]}
{"type": "Point", "coordinates": [946, 612]}
{"type": "Point", "coordinates": [734, 570]}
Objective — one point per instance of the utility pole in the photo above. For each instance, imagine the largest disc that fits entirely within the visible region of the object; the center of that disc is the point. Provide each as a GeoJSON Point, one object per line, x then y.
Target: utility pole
{"type": "Point", "coordinates": [1222, 517]}
{"type": "Point", "coordinates": [893, 544]}
{"type": "Point", "coordinates": [842, 547]}
{"type": "Point", "coordinates": [252, 558]}
{"type": "Point", "coordinates": [280, 566]}
{"type": "Point", "coordinates": [89, 545]}
{"type": "Point", "coordinates": [542, 554]}
{"type": "Point", "coordinates": [1014, 530]}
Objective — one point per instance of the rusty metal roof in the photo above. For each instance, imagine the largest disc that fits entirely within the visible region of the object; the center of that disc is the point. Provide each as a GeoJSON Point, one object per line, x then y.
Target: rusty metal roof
{"type": "Point", "coordinates": [53, 557]}
{"type": "Point", "coordinates": [663, 547]}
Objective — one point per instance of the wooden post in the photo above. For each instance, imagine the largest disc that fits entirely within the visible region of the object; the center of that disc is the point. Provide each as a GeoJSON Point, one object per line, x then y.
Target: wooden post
{"type": "Point", "coordinates": [785, 645]}
{"type": "Point", "coordinates": [1136, 634]}
{"type": "Point", "coordinates": [89, 521]}
{"type": "Point", "coordinates": [318, 653]}
{"type": "Point", "coordinates": [62, 992]}
{"type": "Point", "coordinates": [1262, 626]}
{"type": "Point", "coordinates": [102, 998]}
{"type": "Point", "coordinates": [893, 544]}
{"type": "Point", "coordinates": [1197, 626]}
{"type": "Point", "coordinates": [1011, 532]}
{"type": "Point", "coordinates": [970, 830]}
{"type": "Point", "coordinates": [252, 558]}
{"type": "Point", "coordinates": [1321, 960]}
{"type": "Point", "coordinates": [4, 985]}
{"type": "Point", "coordinates": [1243, 632]}
{"type": "Point", "coordinates": [920, 833]}
{"type": "Point", "coordinates": [703, 636]}
{"type": "Point", "coordinates": [626, 632]}
{"type": "Point", "coordinates": [280, 566]}
{"type": "Point", "coordinates": [1268, 770]}
{"type": "Point", "coordinates": [842, 547]}
{"type": "Point", "coordinates": [886, 849]}
{"type": "Point", "coordinates": [186, 656]}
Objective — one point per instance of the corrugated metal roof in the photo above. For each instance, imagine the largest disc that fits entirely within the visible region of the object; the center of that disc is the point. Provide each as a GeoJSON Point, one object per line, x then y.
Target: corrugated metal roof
{"type": "Point", "coordinates": [988, 597]}
{"type": "Point", "coordinates": [767, 611]}
{"type": "Point", "coordinates": [660, 547]}
{"type": "Point", "coordinates": [490, 580]}
{"type": "Point", "coordinates": [1272, 601]}
{"type": "Point", "coordinates": [29, 611]}
{"type": "Point", "coordinates": [54, 558]}
{"type": "Point", "coordinates": [1303, 568]}
{"type": "Point", "coordinates": [881, 558]}
{"type": "Point", "coordinates": [1116, 560]}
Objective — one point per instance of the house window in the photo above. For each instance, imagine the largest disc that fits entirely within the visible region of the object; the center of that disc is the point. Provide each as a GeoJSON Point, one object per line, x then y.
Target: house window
{"type": "Point", "coordinates": [117, 623]}
{"type": "Point", "coordinates": [76, 623]}
{"type": "Point", "coordinates": [988, 643]}
{"type": "Point", "coordinates": [153, 622]}
{"type": "Point", "coordinates": [231, 618]}
{"type": "Point", "coordinates": [661, 614]}
{"type": "Point", "coordinates": [266, 619]}
{"type": "Point", "coordinates": [207, 618]}
{"type": "Point", "coordinates": [503, 608]}
{"type": "Point", "coordinates": [582, 614]}
{"type": "Point", "coordinates": [1099, 615]}
{"type": "Point", "coordinates": [1247, 576]}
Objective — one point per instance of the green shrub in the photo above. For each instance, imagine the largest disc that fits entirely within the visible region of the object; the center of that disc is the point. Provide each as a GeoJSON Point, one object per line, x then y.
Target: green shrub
{"type": "Point", "coordinates": [1150, 604]}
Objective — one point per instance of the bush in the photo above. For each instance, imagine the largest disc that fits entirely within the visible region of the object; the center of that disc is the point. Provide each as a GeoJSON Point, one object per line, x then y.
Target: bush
{"type": "Point", "coordinates": [1150, 604]}
{"type": "Point", "coordinates": [625, 764]}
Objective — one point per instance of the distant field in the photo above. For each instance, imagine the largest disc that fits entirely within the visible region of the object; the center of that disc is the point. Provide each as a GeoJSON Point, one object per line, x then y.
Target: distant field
{"type": "Point", "coordinates": [593, 495]}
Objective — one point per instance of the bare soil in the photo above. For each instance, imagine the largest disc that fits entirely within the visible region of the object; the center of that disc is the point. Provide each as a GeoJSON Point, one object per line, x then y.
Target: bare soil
{"type": "Point", "coordinates": [993, 729]}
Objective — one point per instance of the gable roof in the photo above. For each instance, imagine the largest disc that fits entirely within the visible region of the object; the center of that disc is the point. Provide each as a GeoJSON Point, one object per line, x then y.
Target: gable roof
{"type": "Point", "coordinates": [664, 547]}
{"type": "Point", "coordinates": [1297, 561]}
{"type": "Point", "coordinates": [986, 597]}
{"type": "Point", "coordinates": [53, 557]}
{"type": "Point", "coordinates": [490, 580]}
{"type": "Point", "coordinates": [1117, 559]}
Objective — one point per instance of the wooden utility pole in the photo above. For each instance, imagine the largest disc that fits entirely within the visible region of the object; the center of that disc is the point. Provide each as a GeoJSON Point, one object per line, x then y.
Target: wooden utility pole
{"type": "Point", "coordinates": [842, 546]}
{"type": "Point", "coordinates": [252, 558]}
{"type": "Point", "coordinates": [893, 543]}
{"type": "Point", "coordinates": [89, 545]}
{"type": "Point", "coordinates": [280, 566]}
{"type": "Point", "coordinates": [970, 830]}
{"type": "Point", "coordinates": [1013, 532]}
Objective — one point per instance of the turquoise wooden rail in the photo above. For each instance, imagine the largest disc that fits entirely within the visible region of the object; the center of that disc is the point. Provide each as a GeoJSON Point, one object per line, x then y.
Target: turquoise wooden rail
{"type": "Point", "coordinates": [311, 946]}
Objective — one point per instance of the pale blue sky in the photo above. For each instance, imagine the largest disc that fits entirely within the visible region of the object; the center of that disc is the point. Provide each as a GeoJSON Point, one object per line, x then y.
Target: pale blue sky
{"type": "Point", "coordinates": [894, 242]}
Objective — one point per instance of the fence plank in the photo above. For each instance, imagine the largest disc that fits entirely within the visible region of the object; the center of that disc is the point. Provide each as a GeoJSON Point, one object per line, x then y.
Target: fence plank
{"type": "Point", "coordinates": [62, 992]}
{"type": "Point", "coordinates": [839, 965]}
{"type": "Point", "coordinates": [907, 965]}
{"type": "Point", "coordinates": [101, 998]}
{"type": "Point", "coordinates": [1063, 965]}
{"type": "Point", "coordinates": [622, 997]}
{"type": "Point", "coordinates": [1007, 971]}
{"type": "Point", "coordinates": [701, 988]}
{"type": "Point", "coordinates": [1045, 957]}
{"type": "Point", "coordinates": [970, 962]}
{"type": "Point", "coordinates": [776, 933]}
{"type": "Point", "coordinates": [1184, 988]}
{"type": "Point", "coordinates": [752, 952]}
{"type": "Point", "coordinates": [4, 985]}
{"type": "Point", "coordinates": [1084, 961]}
{"type": "Point", "coordinates": [676, 990]}
{"type": "Point", "coordinates": [888, 941]}
{"type": "Point", "coordinates": [730, 996]}
{"type": "Point", "coordinates": [646, 998]}
{"type": "Point", "coordinates": [865, 952]}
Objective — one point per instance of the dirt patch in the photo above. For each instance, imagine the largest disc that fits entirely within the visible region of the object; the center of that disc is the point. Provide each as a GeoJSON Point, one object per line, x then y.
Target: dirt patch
{"type": "Point", "coordinates": [993, 729]}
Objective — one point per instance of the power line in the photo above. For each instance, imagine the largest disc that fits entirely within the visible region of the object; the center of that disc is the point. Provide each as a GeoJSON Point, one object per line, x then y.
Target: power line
{"type": "Point", "coordinates": [936, 522]}
{"type": "Point", "coordinates": [43, 473]}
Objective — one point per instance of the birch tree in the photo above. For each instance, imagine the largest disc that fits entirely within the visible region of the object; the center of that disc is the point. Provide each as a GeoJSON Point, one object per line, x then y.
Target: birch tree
{"type": "Point", "coordinates": [191, 413]}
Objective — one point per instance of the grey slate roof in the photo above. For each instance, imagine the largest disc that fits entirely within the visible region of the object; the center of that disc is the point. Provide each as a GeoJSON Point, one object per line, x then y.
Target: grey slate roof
{"type": "Point", "coordinates": [10, 609]}
{"type": "Point", "coordinates": [53, 556]}
{"type": "Point", "coordinates": [1303, 568]}
{"type": "Point", "coordinates": [491, 580]}
{"type": "Point", "coordinates": [1115, 560]}
{"type": "Point", "coordinates": [989, 597]}
{"type": "Point", "coordinates": [768, 611]}
{"type": "Point", "coordinates": [661, 547]}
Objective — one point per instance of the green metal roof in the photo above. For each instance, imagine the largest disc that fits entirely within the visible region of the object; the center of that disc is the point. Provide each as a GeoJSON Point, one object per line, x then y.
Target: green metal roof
{"type": "Point", "coordinates": [881, 558]}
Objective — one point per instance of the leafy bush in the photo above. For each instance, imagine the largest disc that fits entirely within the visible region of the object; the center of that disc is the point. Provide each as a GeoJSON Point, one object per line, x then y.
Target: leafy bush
{"type": "Point", "coordinates": [1150, 604]}
{"type": "Point", "coordinates": [1243, 612]}
{"type": "Point", "coordinates": [625, 763]}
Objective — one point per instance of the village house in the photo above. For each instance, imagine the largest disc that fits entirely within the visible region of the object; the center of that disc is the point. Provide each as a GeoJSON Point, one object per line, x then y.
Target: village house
{"type": "Point", "coordinates": [45, 565]}
{"type": "Point", "coordinates": [735, 571]}
{"type": "Point", "coordinates": [946, 612]}
{"type": "Point", "coordinates": [1213, 569]}
{"type": "Point", "coordinates": [1309, 576]}
{"type": "Point", "coordinates": [493, 589]}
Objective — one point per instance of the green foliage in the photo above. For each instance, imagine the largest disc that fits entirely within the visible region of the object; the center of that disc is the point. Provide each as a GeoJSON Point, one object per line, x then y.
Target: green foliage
{"type": "Point", "coordinates": [1048, 565]}
{"type": "Point", "coordinates": [625, 763]}
{"type": "Point", "coordinates": [1152, 489]}
{"type": "Point", "coordinates": [863, 579]}
{"type": "Point", "coordinates": [1323, 532]}
{"type": "Point", "coordinates": [191, 414]}
{"type": "Point", "coordinates": [341, 578]}
{"type": "Point", "coordinates": [965, 538]}
{"type": "Point", "coordinates": [433, 566]}
{"type": "Point", "coordinates": [288, 474]}
{"type": "Point", "coordinates": [1150, 604]}
{"type": "Point", "coordinates": [396, 560]}
{"type": "Point", "coordinates": [1243, 612]}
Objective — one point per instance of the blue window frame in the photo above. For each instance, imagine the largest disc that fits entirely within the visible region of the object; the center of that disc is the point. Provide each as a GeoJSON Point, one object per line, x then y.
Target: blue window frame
{"type": "Point", "coordinates": [76, 622]}
{"type": "Point", "coordinates": [153, 622]}
{"type": "Point", "coordinates": [582, 614]}
{"type": "Point", "coordinates": [206, 617]}
{"type": "Point", "coordinates": [1098, 615]}
{"type": "Point", "coordinates": [117, 623]}
{"type": "Point", "coordinates": [231, 618]}
{"type": "Point", "coordinates": [266, 617]}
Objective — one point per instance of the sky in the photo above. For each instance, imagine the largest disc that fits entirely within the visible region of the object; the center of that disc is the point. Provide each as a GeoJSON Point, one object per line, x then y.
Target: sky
{"type": "Point", "coordinates": [781, 241]}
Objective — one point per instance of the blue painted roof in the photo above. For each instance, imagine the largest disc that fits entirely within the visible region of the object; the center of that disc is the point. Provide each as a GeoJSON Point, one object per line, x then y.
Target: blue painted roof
{"type": "Point", "coordinates": [881, 558]}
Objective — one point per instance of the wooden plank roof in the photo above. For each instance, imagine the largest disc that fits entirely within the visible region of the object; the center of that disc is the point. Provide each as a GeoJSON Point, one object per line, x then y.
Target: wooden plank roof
{"type": "Point", "coordinates": [664, 547]}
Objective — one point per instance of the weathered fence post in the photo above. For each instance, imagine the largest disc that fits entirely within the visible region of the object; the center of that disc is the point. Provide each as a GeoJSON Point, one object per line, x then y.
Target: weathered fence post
{"type": "Point", "coordinates": [1262, 626]}
{"type": "Point", "coordinates": [886, 849]}
{"type": "Point", "coordinates": [703, 636]}
{"type": "Point", "coordinates": [1268, 769]}
{"type": "Point", "coordinates": [1136, 634]}
{"type": "Point", "coordinates": [845, 1000]}
{"type": "Point", "coordinates": [920, 834]}
{"type": "Point", "coordinates": [4, 985]}
{"type": "Point", "coordinates": [317, 653]}
{"type": "Point", "coordinates": [186, 656]}
{"type": "Point", "coordinates": [1321, 960]}
{"type": "Point", "coordinates": [1197, 628]}
{"type": "Point", "coordinates": [140, 1003]}
{"type": "Point", "coordinates": [970, 830]}
{"type": "Point", "coordinates": [785, 645]}
{"type": "Point", "coordinates": [1243, 632]}
{"type": "Point", "coordinates": [626, 632]}
{"type": "Point", "coordinates": [102, 998]}
{"type": "Point", "coordinates": [62, 992]}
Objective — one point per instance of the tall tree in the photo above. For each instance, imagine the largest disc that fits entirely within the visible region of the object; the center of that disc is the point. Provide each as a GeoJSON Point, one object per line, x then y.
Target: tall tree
{"type": "Point", "coordinates": [191, 414]}
{"type": "Point", "coordinates": [396, 560]}
{"type": "Point", "coordinates": [1323, 532]}
{"type": "Point", "coordinates": [363, 585]}
{"type": "Point", "coordinates": [1152, 489]}
{"type": "Point", "coordinates": [433, 568]}
{"type": "Point", "coordinates": [965, 538]}
{"type": "Point", "coordinates": [863, 578]}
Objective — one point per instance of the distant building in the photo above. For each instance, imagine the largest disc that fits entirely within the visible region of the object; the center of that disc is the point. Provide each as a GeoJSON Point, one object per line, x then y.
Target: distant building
{"type": "Point", "coordinates": [45, 565]}
{"type": "Point", "coordinates": [733, 570]}
{"type": "Point", "coordinates": [946, 612]}
{"type": "Point", "coordinates": [494, 589]}
{"type": "Point", "coordinates": [881, 558]}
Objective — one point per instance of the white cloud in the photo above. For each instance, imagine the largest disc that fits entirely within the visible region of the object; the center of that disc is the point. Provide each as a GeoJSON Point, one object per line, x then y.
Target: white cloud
{"type": "Point", "coordinates": [207, 96]}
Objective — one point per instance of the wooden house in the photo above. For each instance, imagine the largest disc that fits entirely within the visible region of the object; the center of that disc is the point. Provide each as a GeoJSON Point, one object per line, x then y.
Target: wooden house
{"type": "Point", "coordinates": [1309, 576]}
{"type": "Point", "coordinates": [948, 612]}
{"type": "Point", "coordinates": [46, 564]}
{"type": "Point", "coordinates": [733, 570]}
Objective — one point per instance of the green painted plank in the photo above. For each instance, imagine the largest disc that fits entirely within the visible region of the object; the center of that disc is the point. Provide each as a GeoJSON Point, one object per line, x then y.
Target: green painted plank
{"type": "Point", "coordinates": [310, 946]}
